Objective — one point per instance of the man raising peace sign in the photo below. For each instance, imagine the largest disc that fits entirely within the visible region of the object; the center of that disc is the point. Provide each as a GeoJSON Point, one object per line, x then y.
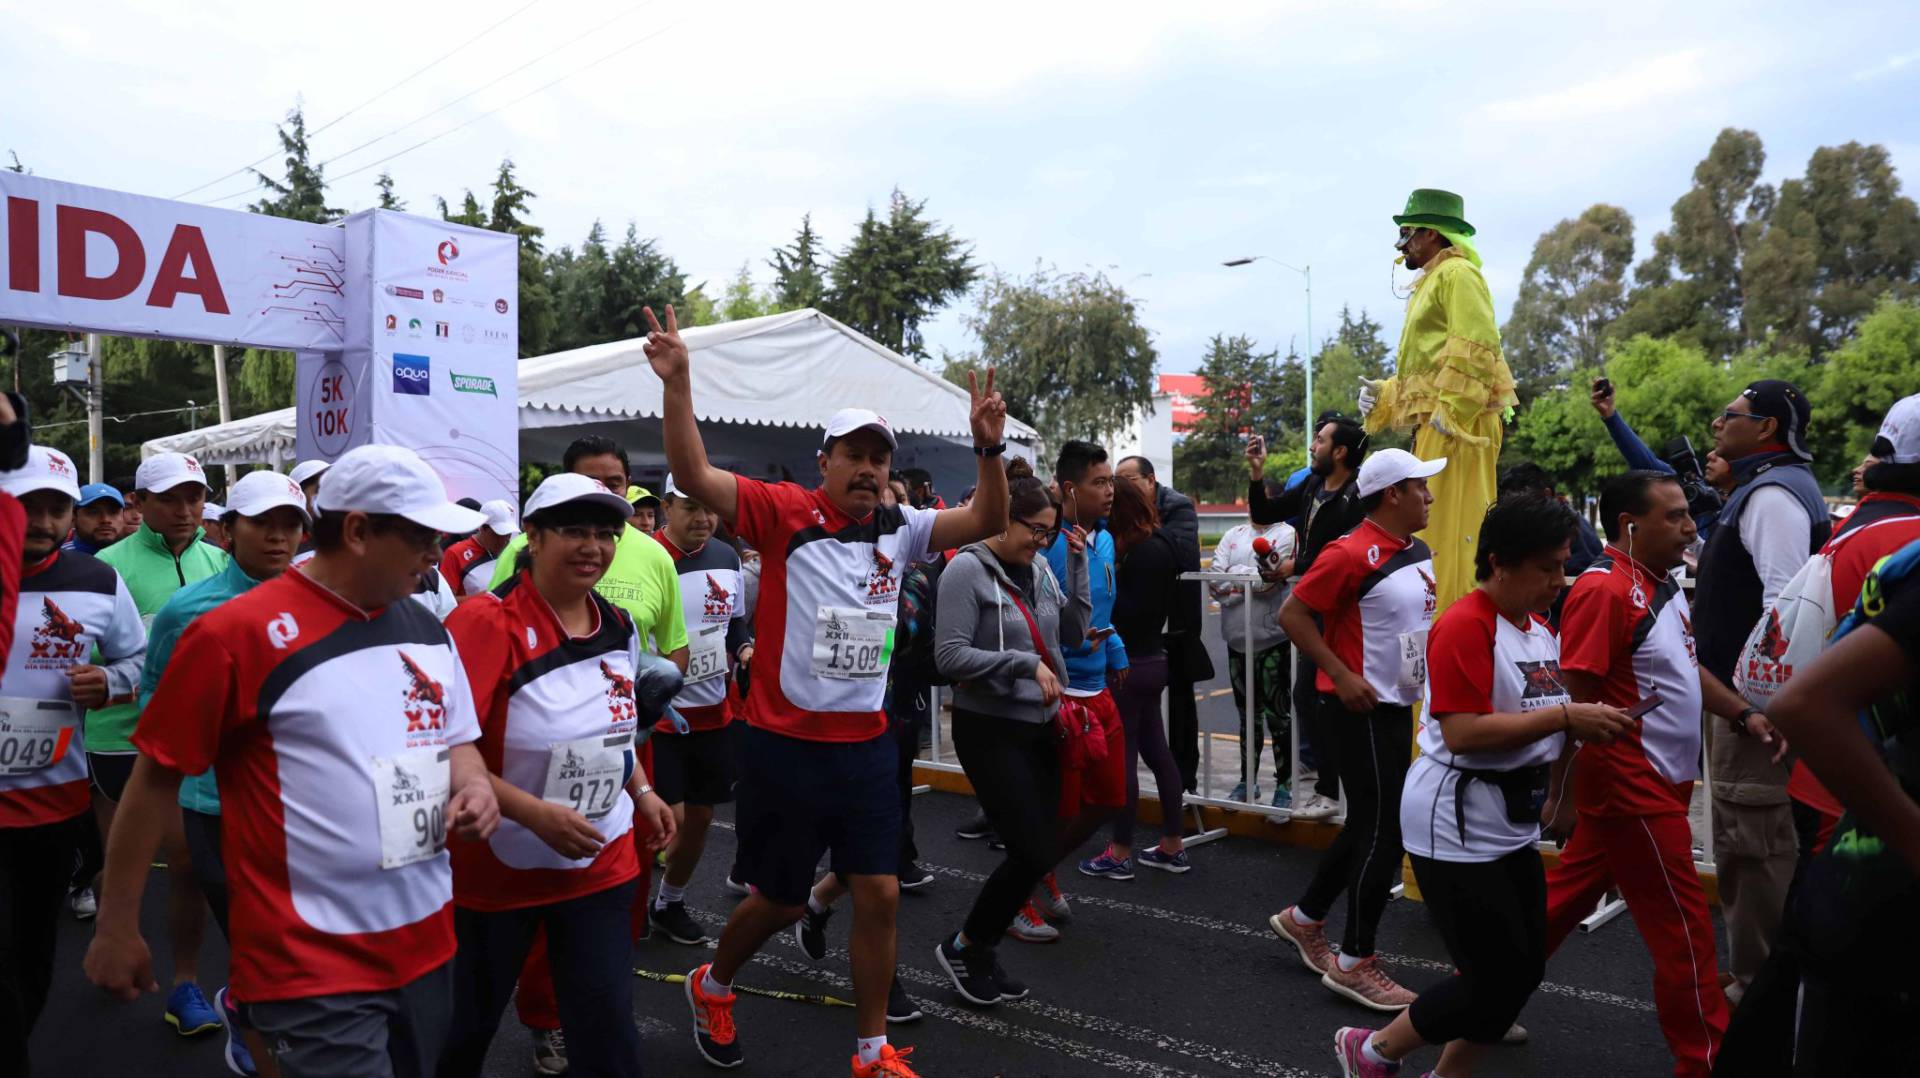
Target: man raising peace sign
{"type": "Point", "coordinates": [817, 770]}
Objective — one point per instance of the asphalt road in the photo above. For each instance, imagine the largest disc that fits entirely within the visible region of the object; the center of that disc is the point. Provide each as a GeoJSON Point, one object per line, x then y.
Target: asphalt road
{"type": "Point", "coordinates": [1162, 977]}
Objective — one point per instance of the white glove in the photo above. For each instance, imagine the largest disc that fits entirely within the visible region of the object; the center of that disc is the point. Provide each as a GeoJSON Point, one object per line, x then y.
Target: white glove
{"type": "Point", "coordinates": [1369, 395]}
{"type": "Point", "coordinates": [1439, 424]}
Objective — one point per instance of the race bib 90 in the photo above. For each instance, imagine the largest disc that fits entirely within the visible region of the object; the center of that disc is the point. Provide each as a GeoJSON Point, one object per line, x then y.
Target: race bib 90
{"type": "Point", "coordinates": [851, 643]}
{"type": "Point", "coordinates": [412, 790]}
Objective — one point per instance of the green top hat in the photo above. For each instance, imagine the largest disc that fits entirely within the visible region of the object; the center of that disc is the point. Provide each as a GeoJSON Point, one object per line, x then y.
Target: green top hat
{"type": "Point", "coordinates": [1430, 207]}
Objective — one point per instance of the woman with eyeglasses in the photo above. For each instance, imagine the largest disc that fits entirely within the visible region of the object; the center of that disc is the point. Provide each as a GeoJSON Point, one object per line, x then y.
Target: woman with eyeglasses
{"type": "Point", "coordinates": [552, 666]}
{"type": "Point", "coordinates": [1000, 625]}
{"type": "Point", "coordinates": [1149, 601]}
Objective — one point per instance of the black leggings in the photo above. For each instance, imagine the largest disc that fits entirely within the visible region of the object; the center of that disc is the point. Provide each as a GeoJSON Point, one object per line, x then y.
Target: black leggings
{"type": "Point", "coordinates": [1015, 771]}
{"type": "Point", "coordinates": [1492, 916]}
{"type": "Point", "coordinates": [203, 846]}
{"type": "Point", "coordinates": [35, 863]}
{"type": "Point", "coordinates": [1364, 859]}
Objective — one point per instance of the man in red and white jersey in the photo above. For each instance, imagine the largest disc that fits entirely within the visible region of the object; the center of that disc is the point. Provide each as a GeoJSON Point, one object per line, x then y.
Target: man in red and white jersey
{"type": "Point", "coordinates": [1374, 590]}
{"type": "Point", "coordinates": [694, 769]}
{"type": "Point", "coordinates": [468, 564]}
{"type": "Point", "coordinates": [1627, 641]}
{"type": "Point", "coordinates": [337, 718]}
{"type": "Point", "coordinates": [70, 604]}
{"type": "Point", "coordinates": [818, 770]}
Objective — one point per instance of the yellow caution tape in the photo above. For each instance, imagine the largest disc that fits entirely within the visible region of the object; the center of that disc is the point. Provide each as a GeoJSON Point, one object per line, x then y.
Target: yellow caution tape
{"type": "Point", "coordinates": [767, 993]}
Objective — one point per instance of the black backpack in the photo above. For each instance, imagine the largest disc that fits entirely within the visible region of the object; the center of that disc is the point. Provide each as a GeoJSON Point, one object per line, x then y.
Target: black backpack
{"type": "Point", "coordinates": [913, 635]}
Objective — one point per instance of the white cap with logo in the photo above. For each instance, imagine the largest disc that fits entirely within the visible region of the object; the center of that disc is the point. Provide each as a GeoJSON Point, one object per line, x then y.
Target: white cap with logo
{"type": "Point", "coordinates": [306, 470]}
{"type": "Point", "coordinates": [261, 492]}
{"type": "Point", "coordinates": [501, 519]}
{"type": "Point", "coordinates": [47, 469]}
{"type": "Point", "coordinates": [393, 480]}
{"type": "Point", "coordinates": [164, 471]}
{"type": "Point", "coordinates": [1389, 466]}
{"type": "Point", "coordinates": [567, 487]}
{"type": "Point", "coordinates": [1900, 433]}
{"type": "Point", "coordinates": [847, 420]}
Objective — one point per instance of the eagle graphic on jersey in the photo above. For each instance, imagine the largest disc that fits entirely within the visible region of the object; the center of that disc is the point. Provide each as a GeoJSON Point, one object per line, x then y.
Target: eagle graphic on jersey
{"type": "Point", "coordinates": [880, 582]}
{"type": "Point", "coordinates": [425, 704]}
{"type": "Point", "coordinates": [719, 599]}
{"type": "Point", "coordinates": [1540, 678]}
{"type": "Point", "coordinates": [1433, 591]}
{"type": "Point", "coordinates": [619, 693]}
{"type": "Point", "coordinates": [57, 636]}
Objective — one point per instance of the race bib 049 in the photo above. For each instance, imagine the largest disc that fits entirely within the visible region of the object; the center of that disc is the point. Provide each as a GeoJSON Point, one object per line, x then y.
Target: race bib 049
{"type": "Point", "coordinates": [34, 734]}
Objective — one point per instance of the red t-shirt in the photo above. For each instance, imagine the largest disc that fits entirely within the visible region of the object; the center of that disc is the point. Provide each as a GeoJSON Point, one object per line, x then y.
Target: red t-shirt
{"type": "Point", "coordinates": [1376, 596]}
{"type": "Point", "coordinates": [1633, 629]}
{"type": "Point", "coordinates": [829, 588]}
{"type": "Point", "coordinates": [544, 697]}
{"type": "Point", "coordinates": [328, 728]}
{"type": "Point", "coordinates": [467, 563]}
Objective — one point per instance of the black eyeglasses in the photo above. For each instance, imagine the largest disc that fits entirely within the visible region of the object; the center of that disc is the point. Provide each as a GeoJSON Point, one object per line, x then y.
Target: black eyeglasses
{"type": "Point", "coordinates": [1731, 414]}
{"type": "Point", "coordinates": [1042, 532]}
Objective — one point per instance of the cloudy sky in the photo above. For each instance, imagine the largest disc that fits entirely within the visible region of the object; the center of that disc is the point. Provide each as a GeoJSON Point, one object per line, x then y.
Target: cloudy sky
{"type": "Point", "coordinates": [1150, 141]}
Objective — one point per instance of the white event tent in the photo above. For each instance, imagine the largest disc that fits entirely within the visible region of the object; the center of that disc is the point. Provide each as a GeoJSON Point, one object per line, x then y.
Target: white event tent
{"type": "Point", "coordinates": [762, 388]}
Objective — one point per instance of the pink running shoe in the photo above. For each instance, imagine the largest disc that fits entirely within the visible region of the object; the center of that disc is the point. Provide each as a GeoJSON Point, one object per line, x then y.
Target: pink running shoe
{"type": "Point", "coordinates": [1347, 1048]}
{"type": "Point", "coordinates": [1309, 939]}
{"type": "Point", "coordinates": [1368, 985]}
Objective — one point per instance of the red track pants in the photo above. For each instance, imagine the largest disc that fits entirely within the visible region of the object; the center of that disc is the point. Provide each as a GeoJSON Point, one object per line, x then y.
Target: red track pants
{"type": "Point", "coordinates": [535, 1002]}
{"type": "Point", "coordinates": [1650, 860]}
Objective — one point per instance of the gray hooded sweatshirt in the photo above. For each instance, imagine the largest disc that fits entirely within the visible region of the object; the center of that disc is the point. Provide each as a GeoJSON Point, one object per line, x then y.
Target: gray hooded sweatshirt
{"type": "Point", "coordinates": [981, 640]}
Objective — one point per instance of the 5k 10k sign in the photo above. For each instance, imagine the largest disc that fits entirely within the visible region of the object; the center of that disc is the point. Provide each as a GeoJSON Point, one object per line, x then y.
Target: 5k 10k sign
{"type": "Point", "coordinates": [429, 358]}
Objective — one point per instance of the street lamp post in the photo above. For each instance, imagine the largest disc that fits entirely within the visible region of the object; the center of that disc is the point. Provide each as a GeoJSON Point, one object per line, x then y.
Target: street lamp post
{"type": "Point", "coordinates": [1306, 419]}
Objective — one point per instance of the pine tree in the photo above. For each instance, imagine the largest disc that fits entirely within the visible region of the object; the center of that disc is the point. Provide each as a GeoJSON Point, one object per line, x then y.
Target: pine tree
{"type": "Point", "coordinates": [896, 273]}
{"type": "Point", "coordinates": [800, 278]}
{"type": "Point", "coordinates": [388, 200]}
{"type": "Point", "coordinates": [302, 195]}
{"type": "Point", "coordinates": [510, 213]}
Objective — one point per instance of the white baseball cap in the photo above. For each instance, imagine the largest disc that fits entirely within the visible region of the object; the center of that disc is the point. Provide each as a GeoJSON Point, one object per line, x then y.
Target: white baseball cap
{"type": "Point", "coordinates": [164, 471]}
{"type": "Point", "coordinates": [306, 470]}
{"type": "Point", "coordinates": [47, 469]}
{"type": "Point", "coordinates": [847, 420]}
{"type": "Point", "coordinates": [501, 519]}
{"type": "Point", "coordinates": [212, 511]}
{"type": "Point", "coordinates": [392, 479]}
{"type": "Point", "coordinates": [1900, 433]}
{"type": "Point", "coordinates": [261, 492]}
{"type": "Point", "coordinates": [572, 487]}
{"type": "Point", "coordinates": [1389, 466]}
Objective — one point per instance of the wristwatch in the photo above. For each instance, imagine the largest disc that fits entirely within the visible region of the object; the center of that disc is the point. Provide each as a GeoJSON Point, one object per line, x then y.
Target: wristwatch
{"type": "Point", "coordinates": [989, 450]}
{"type": "Point", "coordinates": [1739, 722]}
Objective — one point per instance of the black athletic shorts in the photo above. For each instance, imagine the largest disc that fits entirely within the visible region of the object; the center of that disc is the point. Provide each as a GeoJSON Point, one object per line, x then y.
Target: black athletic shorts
{"type": "Point", "coordinates": [695, 767]}
{"type": "Point", "coordinates": [110, 772]}
{"type": "Point", "coordinates": [800, 799]}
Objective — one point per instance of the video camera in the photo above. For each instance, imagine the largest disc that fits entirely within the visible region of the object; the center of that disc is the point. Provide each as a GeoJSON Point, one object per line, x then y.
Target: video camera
{"type": "Point", "coordinates": [1702, 499]}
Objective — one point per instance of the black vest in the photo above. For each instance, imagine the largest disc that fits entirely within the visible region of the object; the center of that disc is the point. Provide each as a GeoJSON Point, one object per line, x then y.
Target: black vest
{"type": "Point", "coordinates": [1727, 599]}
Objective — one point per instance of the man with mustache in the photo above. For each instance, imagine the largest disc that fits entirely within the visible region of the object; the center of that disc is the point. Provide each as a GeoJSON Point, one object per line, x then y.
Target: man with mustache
{"type": "Point", "coordinates": [70, 604]}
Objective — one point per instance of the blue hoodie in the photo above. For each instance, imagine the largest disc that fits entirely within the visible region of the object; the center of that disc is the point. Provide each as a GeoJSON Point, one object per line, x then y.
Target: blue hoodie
{"type": "Point", "coordinates": [1087, 664]}
{"type": "Point", "coordinates": [200, 793]}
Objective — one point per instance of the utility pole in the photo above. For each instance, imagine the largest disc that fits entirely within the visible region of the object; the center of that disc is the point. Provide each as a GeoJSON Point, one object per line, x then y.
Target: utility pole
{"type": "Point", "coordinates": [96, 434]}
{"type": "Point", "coordinates": [226, 402]}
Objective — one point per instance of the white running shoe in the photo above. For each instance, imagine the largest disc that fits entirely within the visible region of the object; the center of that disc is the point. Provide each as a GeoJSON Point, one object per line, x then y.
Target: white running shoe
{"type": "Point", "coordinates": [1028, 925]}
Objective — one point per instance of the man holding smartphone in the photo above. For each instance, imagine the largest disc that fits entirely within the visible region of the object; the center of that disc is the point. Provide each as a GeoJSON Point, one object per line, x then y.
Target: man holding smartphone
{"type": "Point", "coordinates": [1627, 640]}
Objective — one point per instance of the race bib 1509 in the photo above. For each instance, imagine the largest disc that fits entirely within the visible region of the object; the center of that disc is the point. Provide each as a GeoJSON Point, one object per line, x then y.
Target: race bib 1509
{"type": "Point", "coordinates": [852, 644]}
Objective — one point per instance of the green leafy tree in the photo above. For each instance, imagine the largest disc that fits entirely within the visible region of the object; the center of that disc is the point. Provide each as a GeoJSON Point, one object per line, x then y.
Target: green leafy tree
{"type": "Point", "coordinates": [302, 194]}
{"type": "Point", "coordinates": [1070, 353]}
{"type": "Point", "coordinates": [1692, 286]}
{"type": "Point", "coordinates": [1573, 288]}
{"type": "Point", "coordinates": [743, 299]}
{"type": "Point", "coordinates": [579, 281]}
{"type": "Point", "coordinates": [800, 274]}
{"type": "Point", "coordinates": [1242, 395]}
{"type": "Point", "coordinates": [1859, 382]}
{"type": "Point", "coordinates": [511, 213]}
{"type": "Point", "coordinates": [896, 273]}
{"type": "Point", "coordinates": [388, 200]}
{"type": "Point", "coordinates": [639, 275]}
{"type": "Point", "coordinates": [471, 214]}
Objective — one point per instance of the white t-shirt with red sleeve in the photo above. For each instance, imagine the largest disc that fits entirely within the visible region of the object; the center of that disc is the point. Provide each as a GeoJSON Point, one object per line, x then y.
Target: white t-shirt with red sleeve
{"type": "Point", "coordinates": [70, 606]}
{"type": "Point", "coordinates": [1480, 663]}
{"type": "Point", "coordinates": [829, 589]}
{"type": "Point", "coordinates": [557, 719]}
{"type": "Point", "coordinates": [329, 729]}
{"type": "Point", "coordinates": [1633, 629]}
{"type": "Point", "coordinates": [1375, 595]}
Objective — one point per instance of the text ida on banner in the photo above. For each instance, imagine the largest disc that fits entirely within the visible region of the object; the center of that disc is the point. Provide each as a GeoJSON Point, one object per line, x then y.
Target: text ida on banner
{"type": "Point", "coordinates": [88, 259]}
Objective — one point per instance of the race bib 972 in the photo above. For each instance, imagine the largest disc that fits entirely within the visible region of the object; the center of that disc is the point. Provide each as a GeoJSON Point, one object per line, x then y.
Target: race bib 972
{"type": "Point", "coordinates": [586, 774]}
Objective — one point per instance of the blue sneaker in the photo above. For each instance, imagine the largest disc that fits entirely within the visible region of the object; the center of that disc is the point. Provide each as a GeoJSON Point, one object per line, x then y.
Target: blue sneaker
{"type": "Point", "coordinates": [1240, 793]}
{"type": "Point", "coordinates": [1282, 797]}
{"type": "Point", "coordinates": [189, 1012]}
{"type": "Point", "coordinates": [239, 1060]}
{"type": "Point", "coordinates": [1108, 866]}
{"type": "Point", "coordinates": [1154, 857]}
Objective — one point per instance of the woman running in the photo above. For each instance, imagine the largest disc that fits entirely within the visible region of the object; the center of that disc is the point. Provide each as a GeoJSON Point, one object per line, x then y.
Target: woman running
{"type": "Point", "coordinates": [999, 627]}
{"type": "Point", "coordinates": [1147, 605]}
{"type": "Point", "coordinates": [552, 668]}
{"type": "Point", "coordinates": [1497, 720]}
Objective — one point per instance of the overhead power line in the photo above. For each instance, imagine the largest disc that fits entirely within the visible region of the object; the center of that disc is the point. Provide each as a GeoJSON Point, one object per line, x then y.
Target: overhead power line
{"type": "Point", "coordinates": [416, 74]}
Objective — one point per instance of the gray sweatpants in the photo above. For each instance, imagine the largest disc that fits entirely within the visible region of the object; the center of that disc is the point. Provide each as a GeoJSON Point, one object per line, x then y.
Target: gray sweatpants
{"type": "Point", "coordinates": [398, 1033]}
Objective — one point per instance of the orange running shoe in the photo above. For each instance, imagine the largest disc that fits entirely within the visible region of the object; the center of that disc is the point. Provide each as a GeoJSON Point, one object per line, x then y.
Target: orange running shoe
{"type": "Point", "coordinates": [713, 1022]}
{"type": "Point", "coordinates": [891, 1064]}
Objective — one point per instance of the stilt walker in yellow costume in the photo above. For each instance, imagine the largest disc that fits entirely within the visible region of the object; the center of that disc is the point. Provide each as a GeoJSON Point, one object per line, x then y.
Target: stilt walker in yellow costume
{"type": "Point", "coordinates": [1451, 386]}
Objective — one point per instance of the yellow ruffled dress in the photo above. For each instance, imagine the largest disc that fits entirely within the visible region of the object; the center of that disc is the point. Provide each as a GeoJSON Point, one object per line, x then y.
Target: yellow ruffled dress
{"type": "Point", "coordinates": [1453, 389]}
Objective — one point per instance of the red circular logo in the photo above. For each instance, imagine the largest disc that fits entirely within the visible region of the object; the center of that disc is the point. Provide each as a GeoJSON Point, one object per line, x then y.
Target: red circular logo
{"type": "Point", "coordinates": [448, 251]}
{"type": "Point", "coordinates": [500, 306]}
